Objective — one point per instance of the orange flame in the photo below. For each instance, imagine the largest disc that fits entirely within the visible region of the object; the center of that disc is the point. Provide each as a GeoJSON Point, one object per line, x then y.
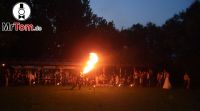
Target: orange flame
{"type": "Point", "coordinates": [93, 59]}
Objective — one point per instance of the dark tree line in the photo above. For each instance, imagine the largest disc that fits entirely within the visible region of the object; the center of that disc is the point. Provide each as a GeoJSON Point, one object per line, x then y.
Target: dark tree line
{"type": "Point", "coordinates": [64, 23]}
{"type": "Point", "coordinates": [71, 30]}
{"type": "Point", "coordinates": [176, 42]}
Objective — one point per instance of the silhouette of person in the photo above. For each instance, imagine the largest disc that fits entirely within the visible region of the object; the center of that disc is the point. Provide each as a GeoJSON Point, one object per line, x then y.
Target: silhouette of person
{"type": "Point", "coordinates": [167, 84]}
{"type": "Point", "coordinates": [186, 79]}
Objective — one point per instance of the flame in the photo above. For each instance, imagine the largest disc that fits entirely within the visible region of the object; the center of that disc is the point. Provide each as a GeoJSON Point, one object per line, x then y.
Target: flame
{"type": "Point", "coordinates": [93, 59]}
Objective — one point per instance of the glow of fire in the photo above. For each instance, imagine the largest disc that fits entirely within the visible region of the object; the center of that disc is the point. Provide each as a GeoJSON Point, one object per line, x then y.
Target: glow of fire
{"type": "Point", "coordinates": [93, 59]}
{"type": "Point", "coordinates": [3, 65]}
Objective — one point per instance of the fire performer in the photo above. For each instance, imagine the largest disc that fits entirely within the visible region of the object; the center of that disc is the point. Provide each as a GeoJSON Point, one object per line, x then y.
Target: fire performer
{"type": "Point", "coordinates": [93, 59]}
{"type": "Point", "coordinates": [77, 82]}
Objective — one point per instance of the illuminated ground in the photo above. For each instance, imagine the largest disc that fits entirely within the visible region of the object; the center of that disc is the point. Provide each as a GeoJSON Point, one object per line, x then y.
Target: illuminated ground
{"type": "Point", "coordinates": [51, 98]}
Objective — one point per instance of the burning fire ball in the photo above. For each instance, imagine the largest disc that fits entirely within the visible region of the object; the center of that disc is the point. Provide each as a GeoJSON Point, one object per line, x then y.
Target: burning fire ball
{"type": "Point", "coordinates": [3, 65]}
{"type": "Point", "coordinates": [93, 59]}
{"type": "Point", "coordinates": [58, 84]}
{"type": "Point", "coordinates": [131, 85]}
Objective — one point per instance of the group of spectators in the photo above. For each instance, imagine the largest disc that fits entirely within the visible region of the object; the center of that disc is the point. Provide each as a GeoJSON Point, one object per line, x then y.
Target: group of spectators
{"type": "Point", "coordinates": [137, 78]}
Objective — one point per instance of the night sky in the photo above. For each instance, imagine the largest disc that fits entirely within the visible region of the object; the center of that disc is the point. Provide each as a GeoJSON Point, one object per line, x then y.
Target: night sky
{"type": "Point", "coordinates": [125, 13]}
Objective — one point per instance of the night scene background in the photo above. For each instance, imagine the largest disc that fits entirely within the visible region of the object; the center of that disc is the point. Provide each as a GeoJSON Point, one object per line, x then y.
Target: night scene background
{"type": "Point", "coordinates": [156, 35]}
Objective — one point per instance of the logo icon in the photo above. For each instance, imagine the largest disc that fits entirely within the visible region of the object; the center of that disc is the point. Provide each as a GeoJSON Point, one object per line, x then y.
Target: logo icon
{"type": "Point", "coordinates": [21, 11]}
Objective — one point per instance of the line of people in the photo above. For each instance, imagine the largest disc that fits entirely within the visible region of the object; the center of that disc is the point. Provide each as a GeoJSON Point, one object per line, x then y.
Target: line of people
{"type": "Point", "coordinates": [138, 78]}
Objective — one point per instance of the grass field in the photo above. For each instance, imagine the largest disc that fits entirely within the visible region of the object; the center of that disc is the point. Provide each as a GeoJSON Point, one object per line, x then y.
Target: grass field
{"type": "Point", "coordinates": [52, 98]}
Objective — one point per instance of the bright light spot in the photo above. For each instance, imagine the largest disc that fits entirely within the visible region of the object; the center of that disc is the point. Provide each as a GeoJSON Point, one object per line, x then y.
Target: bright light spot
{"type": "Point", "coordinates": [93, 59]}
{"type": "Point", "coordinates": [58, 84]}
{"type": "Point", "coordinates": [34, 83]}
{"type": "Point", "coordinates": [3, 65]}
{"type": "Point", "coordinates": [94, 86]}
{"type": "Point", "coordinates": [119, 85]}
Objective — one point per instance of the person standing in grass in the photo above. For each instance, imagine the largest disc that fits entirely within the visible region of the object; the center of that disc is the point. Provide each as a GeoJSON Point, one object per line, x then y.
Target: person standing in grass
{"type": "Point", "coordinates": [148, 78]}
{"type": "Point", "coordinates": [167, 84]}
{"type": "Point", "coordinates": [159, 79]}
{"type": "Point", "coordinates": [77, 81]}
{"type": "Point", "coordinates": [7, 75]}
{"type": "Point", "coordinates": [186, 79]}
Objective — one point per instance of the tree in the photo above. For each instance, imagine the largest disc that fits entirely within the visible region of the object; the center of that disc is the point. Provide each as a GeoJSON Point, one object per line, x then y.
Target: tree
{"type": "Point", "coordinates": [63, 23]}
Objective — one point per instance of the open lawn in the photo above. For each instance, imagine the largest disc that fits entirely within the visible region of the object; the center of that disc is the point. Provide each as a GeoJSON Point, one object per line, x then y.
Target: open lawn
{"type": "Point", "coordinates": [52, 98]}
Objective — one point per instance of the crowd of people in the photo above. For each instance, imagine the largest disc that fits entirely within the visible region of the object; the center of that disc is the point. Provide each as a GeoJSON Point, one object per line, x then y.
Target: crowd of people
{"type": "Point", "coordinates": [137, 78]}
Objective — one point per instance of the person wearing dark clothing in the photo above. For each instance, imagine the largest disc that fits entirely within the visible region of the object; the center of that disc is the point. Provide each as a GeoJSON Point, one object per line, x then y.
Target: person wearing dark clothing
{"type": "Point", "coordinates": [77, 82]}
{"type": "Point", "coordinates": [186, 79]}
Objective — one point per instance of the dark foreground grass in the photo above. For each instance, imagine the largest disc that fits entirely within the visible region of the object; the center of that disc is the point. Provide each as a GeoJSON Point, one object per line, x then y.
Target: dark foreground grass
{"type": "Point", "coordinates": [52, 98]}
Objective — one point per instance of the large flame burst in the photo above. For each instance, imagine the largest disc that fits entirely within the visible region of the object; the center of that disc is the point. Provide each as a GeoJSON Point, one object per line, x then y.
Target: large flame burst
{"type": "Point", "coordinates": [93, 59]}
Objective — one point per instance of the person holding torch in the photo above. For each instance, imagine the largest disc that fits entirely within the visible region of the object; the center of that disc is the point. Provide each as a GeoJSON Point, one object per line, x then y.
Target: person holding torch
{"type": "Point", "coordinates": [93, 59]}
